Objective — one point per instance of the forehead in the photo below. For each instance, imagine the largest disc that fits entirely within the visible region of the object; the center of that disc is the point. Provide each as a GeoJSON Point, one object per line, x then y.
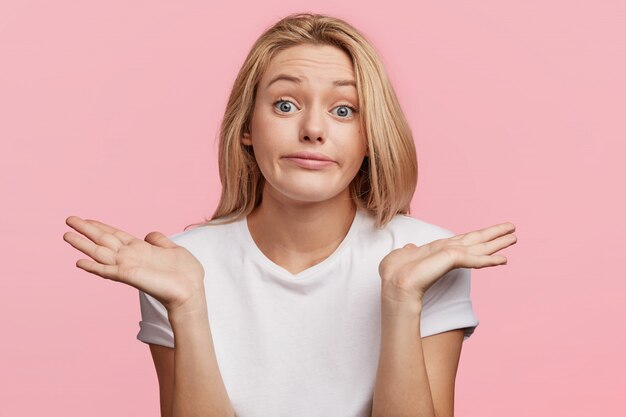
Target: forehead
{"type": "Point", "coordinates": [325, 63]}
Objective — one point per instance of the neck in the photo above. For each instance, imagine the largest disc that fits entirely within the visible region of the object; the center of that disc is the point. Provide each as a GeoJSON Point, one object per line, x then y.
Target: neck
{"type": "Point", "coordinates": [297, 236]}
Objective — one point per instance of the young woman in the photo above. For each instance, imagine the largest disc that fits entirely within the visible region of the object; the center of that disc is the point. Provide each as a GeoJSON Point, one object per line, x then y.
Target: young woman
{"type": "Point", "coordinates": [311, 291]}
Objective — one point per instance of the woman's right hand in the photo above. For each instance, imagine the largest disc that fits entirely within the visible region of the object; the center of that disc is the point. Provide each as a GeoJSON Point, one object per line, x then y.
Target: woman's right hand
{"type": "Point", "coordinates": [156, 265]}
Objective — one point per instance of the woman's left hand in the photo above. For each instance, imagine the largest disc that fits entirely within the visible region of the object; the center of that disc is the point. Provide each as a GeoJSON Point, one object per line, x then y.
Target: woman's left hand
{"type": "Point", "coordinates": [409, 271]}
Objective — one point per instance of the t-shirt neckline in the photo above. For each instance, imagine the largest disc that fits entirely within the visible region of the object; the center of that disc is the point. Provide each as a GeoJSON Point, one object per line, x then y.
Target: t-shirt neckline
{"type": "Point", "coordinates": [255, 251]}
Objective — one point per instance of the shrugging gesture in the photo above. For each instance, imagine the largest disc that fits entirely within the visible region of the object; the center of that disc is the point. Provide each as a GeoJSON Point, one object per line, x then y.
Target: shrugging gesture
{"type": "Point", "coordinates": [156, 265]}
{"type": "Point", "coordinates": [409, 271]}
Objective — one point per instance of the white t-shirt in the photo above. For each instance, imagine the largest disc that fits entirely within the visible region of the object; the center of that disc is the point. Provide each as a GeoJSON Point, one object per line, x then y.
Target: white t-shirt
{"type": "Point", "coordinates": [305, 345]}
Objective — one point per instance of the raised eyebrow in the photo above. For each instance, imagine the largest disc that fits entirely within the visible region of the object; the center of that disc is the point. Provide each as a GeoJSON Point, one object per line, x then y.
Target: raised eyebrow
{"type": "Point", "coordinates": [296, 80]}
{"type": "Point", "coordinates": [284, 77]}
{"type": "Point", "coordinates": [342, 83]}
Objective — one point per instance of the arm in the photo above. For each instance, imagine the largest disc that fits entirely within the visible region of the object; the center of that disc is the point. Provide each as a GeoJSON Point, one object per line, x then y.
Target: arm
{"type": "Point", "coordinates": [197, 374]}
{"type": "Point", "coordinates": [173, 276]}
{"type": "Point", "coordinates": [198, 386]}
{"type": "Point", "coordinates": [191, 368]}
{"type": "Point", "coordinates": [415, 376]}
{"type": "Point", "coordinates": [163, 358]}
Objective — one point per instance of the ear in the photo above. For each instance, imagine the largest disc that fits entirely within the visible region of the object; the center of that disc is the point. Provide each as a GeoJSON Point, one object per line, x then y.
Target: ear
{"type": "Point", "coordinates": [246, 139]}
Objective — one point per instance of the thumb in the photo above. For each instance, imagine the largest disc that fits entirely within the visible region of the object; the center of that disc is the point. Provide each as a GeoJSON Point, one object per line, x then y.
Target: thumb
{"type": "Point", "coordinates": [160, 240]}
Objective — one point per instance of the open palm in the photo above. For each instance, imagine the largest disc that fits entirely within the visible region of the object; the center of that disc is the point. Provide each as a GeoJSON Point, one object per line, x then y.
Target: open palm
{"type": "Point", "coordinates": [408, 272]}
{"type": "Point", "coordinates": [156, 265]}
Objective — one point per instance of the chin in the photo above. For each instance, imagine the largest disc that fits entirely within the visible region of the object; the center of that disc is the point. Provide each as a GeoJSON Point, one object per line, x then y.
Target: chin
{"type": "Point", "coordinates": [315, 191]}
{"type": "Point", "coordinates": [309, 195]}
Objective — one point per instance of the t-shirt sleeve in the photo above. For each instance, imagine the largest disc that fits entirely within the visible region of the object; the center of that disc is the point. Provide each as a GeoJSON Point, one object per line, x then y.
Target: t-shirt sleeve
{"type": "Point", "coordinates": [154, 326]}
{"type": "Point", "coordinates": [447, 305]}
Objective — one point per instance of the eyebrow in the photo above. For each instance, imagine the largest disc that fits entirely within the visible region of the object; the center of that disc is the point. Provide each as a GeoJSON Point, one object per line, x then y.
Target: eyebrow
{"type": "Point", "coordinates": [293, 79]}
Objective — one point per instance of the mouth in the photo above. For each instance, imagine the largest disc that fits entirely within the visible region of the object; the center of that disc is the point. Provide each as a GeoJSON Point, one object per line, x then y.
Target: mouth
{"type": "Point", "coordinates": [312, 156]}
{"type": "Point", "coordinates": [310, 163]}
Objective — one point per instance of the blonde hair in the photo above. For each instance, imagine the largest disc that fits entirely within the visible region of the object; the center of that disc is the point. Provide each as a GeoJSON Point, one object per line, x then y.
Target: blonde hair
{"type": "Point", "coordinates": [386, 182]}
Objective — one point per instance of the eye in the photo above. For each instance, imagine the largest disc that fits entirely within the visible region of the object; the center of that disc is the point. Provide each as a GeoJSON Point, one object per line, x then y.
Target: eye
{"type": "Point", "coordinates": [285, 105]}
{"type": "Point", "coordinates": [349, 112]}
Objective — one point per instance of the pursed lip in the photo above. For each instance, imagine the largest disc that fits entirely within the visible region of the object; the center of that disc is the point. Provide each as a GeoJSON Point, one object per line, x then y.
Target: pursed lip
{"type": "Point", "coordinates": [309, 155]}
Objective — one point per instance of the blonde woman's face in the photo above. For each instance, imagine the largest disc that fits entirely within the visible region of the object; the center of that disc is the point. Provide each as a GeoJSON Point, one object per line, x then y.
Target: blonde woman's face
{"type": "Point", "coordinates": [303, 104]}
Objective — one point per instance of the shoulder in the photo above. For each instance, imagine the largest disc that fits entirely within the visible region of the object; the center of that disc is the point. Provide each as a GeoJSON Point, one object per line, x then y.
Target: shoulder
{"type": "Point", "coordinates": [206, 236]}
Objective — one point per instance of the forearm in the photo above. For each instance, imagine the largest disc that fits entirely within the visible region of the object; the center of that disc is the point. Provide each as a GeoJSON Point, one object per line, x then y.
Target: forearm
{"type": "Point", "coordinates": [402, 388]}
{"type": "Point", "coordinates": [198, 386]}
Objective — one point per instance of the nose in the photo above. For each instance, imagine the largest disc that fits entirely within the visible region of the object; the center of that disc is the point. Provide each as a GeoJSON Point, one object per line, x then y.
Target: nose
{"type": "Point", "coordinates": [313, 127]}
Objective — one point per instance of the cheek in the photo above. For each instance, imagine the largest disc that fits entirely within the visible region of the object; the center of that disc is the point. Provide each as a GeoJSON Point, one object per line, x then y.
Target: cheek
{"type": "Point", "coordinates": [358, 148]}
{"type": "Point", "coordinates": [264, 155]}
{"type": "Point", "coordinates": [272, 130]}
{"type": "Point", "coordinates": [261, 136]}
{"type": "Point", "coordinates": [259, 121]}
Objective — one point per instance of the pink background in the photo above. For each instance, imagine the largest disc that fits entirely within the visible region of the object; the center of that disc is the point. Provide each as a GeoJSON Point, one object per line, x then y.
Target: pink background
{"type": "Point", "coordinates": [110, 110]}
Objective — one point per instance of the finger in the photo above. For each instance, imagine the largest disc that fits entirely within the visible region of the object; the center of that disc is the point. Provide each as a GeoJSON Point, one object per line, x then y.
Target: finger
{"type": "Point", "coordinates": [486, 234]}
{"type": "Point", "coordinates": [99, 253]}
{"type": "Point", "coordinates": [124, 237]}
{"type": "Point", "coordinates": [493, 246]}
{"type": "Point", "coordinates": [159, 239]}
{"type": "Point", "coordinates": [481, 261]}
{"type": "Point", "coordinates": [94, 233]}
{"type": "Point", "coordinates": [105, 271]}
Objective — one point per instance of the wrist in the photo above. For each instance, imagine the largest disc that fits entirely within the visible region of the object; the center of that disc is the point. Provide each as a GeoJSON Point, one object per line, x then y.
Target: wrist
{"type": "Point", "coordinates": [398, 299]}
{"type": "Point", "coordinates": [396, 311]}
{"type": "Point", "coordinates": [194, 307]}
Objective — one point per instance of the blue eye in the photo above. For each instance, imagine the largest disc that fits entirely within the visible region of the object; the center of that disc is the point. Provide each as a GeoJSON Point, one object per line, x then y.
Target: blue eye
{"type": "Point", "coordinates": [284, 105]}
{"type": "Point", "coordinates": [344, 111]}
{"type": "Point", "coordinates": [351, 112]}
